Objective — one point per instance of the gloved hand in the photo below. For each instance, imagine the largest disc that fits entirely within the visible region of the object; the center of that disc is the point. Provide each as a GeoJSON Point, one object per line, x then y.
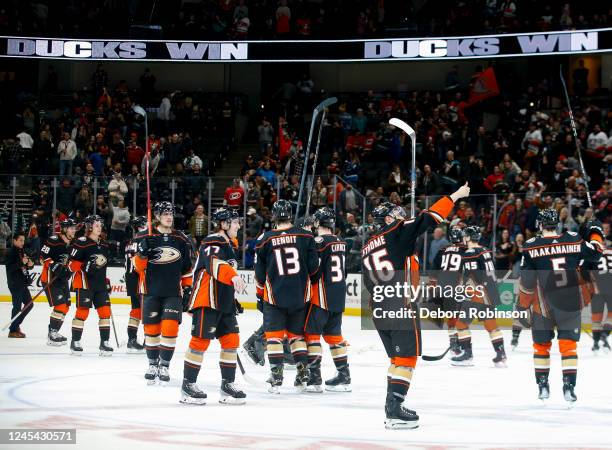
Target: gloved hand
{"type": "Point", "coordinates": [146, 246]}
{"type": "Point", "coordinates": [238, 309]}
{"type": "Point", "coordinates": [109, 287]}
{"type": "Point", "coordinates": [58, 269]}
{"type": "Point", "coordinates": [91, 266]}
{"type": "Point", "coordinates": [31, 278]}
{"type": "Point", "coordinates": [186, 298]}
{"type": "Point", "coordinates": [594, 227]}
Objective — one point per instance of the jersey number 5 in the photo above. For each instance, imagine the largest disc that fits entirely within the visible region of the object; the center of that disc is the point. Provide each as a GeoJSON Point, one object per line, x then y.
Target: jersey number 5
{"type": "Point", "coordinates": [287, 260]}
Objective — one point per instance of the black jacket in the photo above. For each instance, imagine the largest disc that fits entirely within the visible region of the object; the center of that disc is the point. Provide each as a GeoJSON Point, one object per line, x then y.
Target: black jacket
{"type": "Point", "coordinates": [16, 271]}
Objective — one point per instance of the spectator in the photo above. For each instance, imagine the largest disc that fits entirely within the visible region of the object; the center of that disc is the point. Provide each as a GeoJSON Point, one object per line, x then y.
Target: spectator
{"type": "Point", "coordinates": [234, 195]}
{"type": "Point", "coordinates": [495, 180]}
{"type": "Point", "coordinates": [84, 202]}
{"type": "Point", "coordinates": [134, 153]}
{"type": "Point", "coordinates": [566, 222]}
{"type": "Point", "coordinates": [266, 134]}
{"type": "Point", "coordinates": [173, 152]}
{"type": "Point", "coordinates": [5, 232]}
{"type": "Point", "coordinates": [283, 19]}
{"type": "Point", "coordinates": [438, 242]}
{"type": "Point", "coordinates": [254, 222]}
{"type": "Point", "coordinates": [119, 223]}
{"type": "Point", "coordinates": [117, 189]}
{"type": "Point", "coordinates": [65, 197]}
{"type": "Point", "coordinates": [348, 200]}
{"type": "Point", "coordinates": [360, 121]}
{"type": "Point", "coordinates": [318, 197]}
{"type": "Point", "coordinates": [25, 141]}
{"type": "Point", "coordinates": [580, 77]}
{"type": "Point", "coordinates": [198, 225]}
{"type": "Point", "coordinates": [191, 161]}
{"type": "Point", "coordinates": [597, 142]}
{"type": "Point", "coordinates": [67, 151]}
{"type": "Point", "coordinates": [505, 252]}
{"type": "Point", "coordinates": [451, 171]}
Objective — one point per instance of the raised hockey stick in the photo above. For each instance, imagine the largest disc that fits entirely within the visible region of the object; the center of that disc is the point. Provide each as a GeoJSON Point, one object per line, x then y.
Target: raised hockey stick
{"type": "Point", "coordinates": [435, 358]}
{"type": "Point", "coordinates": [140, 110]}
{"type": "Point", "coordinates": [576, 140]}
{"type": "Point", "coordinates": [314, 165]}
{"type": "Point", "coordinates": [412, 135]}
{"type": "Point", "coordinates": [320, 107]}
{"type": "Point", "coordinates": [247, 378]}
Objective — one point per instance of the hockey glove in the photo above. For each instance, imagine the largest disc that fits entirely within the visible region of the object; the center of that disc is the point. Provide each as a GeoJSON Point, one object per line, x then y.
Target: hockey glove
{"type": "Point", "coordinates": [30, 278]}
{"type": "Point", "coordinates": [146, 246]}
{"type": "Point", "coordinates": [186, 298]}
{"type": "Point", "coordinates": [238, 309]}
{"type": "Point", "coordinates": [91, 265]}
{"type": "Point", "coordinates": [58, 269]}
{"type": "Point", "coordinates": [595, 227]}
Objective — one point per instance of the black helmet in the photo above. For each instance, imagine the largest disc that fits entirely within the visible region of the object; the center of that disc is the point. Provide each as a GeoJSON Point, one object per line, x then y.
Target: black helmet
{"type": "Point", "coordinates": [455, 234]}
{"type": "Point", "coordinates": [548, 219]}
{"type": "Point", "coordinates": [304, 222]}
{"type": "Point", "coordinates": [472, 232]}
{"type": "Point", "coordinates": [281, 211]}
{"type": "Point", "coordinates": [67, 223]}
{"type": "Point", "coordinates": [164, 207]}
{"type": "Point", "coordinates": [380, 212]}
{"type": "Point", "coordinates": [91, 219]}
{"type": "Point", "coordinates": [325, 217]}
{"type": "Point", "coordinates": [224, 215]}
{"type": "Point", "coordinates": [138, 222]}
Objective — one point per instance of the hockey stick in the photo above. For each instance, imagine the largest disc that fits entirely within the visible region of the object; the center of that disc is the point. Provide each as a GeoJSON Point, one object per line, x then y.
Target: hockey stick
{"type": "Point", "coordinates": [314, 165]}
{"type": "Point", "coordinates": [412, 135]}
{"type": "Point", "coordinates": [320, 107]}
{"type": "Point", "coordinates": [247, 378]}
{"type": "Point", "coordinates": [114, 329]}
{"type": "Point", "coordinates": [27, 305]}
{"type": "Point", "coordinates": [140, 110]}
{"type": "Point", "coordinates": [576, 140]}
{"type": "Point", "coordinates": [435, 358]}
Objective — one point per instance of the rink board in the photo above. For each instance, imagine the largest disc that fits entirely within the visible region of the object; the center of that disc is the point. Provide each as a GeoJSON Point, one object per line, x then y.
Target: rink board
{"type": "Point", "coordinates": [508, 292]}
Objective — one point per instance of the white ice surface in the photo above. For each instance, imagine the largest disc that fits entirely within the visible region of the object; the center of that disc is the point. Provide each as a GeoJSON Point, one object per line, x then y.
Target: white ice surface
{"type": "Point", "coordinates": [108, 402]}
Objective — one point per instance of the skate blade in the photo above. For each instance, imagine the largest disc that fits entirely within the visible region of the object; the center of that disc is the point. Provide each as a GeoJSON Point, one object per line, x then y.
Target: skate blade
{"type": "Point", "coordinates": [76, 353]}
{"type": "Point", "coordinates": [501, 364]}
{"type": "Point", "coordinates": [314, 389]}
{"type": "Point", "coordinates": [134, 351]}
{"type": "Point", "coordinates": [228, 400]}
{"type": "Point", "coordinates": [570, 404]}
{"type": "Point", "coordinates": [339, 388]}
{"type": "Point", "coordinates": [56, 344]}
{"type": "Point", "coordinates": [151, 382]}
{"type": "Point", "coordinates": [396, 424]}
{"type": "Point", "coordinates": [106, 354]}
{"type": "Point", "coordinates": [467, 363]}
{"type": "Point", "coordinates": [513, 347]}
{"type": "Point", "coordinates": [163, 382]}
{"type": "Point", "coordinates": [274, 389]}
{"type": "Point", "coordinates": [186, 400]}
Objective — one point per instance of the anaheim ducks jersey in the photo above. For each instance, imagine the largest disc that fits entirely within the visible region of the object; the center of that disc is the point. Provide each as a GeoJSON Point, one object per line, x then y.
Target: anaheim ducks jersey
{"type": "Point", "coordinates": [549, 272]}
{"type": "Point", "coordinates": [131, 276]}
{"type": "Point", "coordinates": [83, 250]}
{"type": "Point", "coordinates": [329, 285]}
{"type": "Point", "coordinates": [212, 278]}
{"type": "Point", "coordinates": [479, 272]}
{"type": "Point", "coordinates": [600, 274]}
{"type": "Point", "coordinates": [168, 269]}
{"type": "Point", "coordinates": [285, 261]}
{"type": "Point", "coordinates": [54, 250]}
{"type": "Point", "coordinates": [389, 255]}
{"type": "Point", "coordinates": [447, 268]}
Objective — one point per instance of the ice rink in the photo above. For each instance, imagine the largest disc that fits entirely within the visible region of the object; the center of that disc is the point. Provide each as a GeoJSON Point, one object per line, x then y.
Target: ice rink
{"type": "Point", "coordinates": [110, 405]}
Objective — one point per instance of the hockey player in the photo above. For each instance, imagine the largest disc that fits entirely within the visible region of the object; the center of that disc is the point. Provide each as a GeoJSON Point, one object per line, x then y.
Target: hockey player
{"type": "Point", "coordinates": [88, 261]}
{"type": "Point", "coordinates": [479, 272]}
{"type": "Point", "coordinates": [54, 256]}
{"type": "Point", "coordinates": [286, 258]}
{"type": "Point", "coordinates": [214, 307]}
{"type": "Point", "coordinates": [163, 263]}
{"type": "Point", "coordinates": [328, 298]}
{"type": "Point", "coordinates": [139, 225]}
{"type": "Point", "coordinates": [388, 257]}
{"type": "Point", "coordinates": [600, 276]}
{"type": "Point", "coordinates": [549, 286]}
{"type": "Point", "coordinates": [447, 272]}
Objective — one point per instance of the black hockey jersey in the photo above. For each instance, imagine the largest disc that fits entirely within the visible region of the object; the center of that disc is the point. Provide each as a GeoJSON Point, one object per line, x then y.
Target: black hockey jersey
{"type": "Point", "coordinates": [212, 278]}
{"type": "Point", "coordinates": [447, 266]}
{"type": "Point", "coordinates": [601, 274]}
{"type": "Point", "coordinates": [55, 249]}
{"type": "Point", "coordinates": [285, 261]}
{"type": "Point", "coordinates": [329, 285]}
{"type": "Point", "coordinates": [84, 252]}
{"type": "Point", "coordinates": [169, 268]}
{"type": "Point", "coordinates": [549, 275]}
{"type": "Point", "coordinates": [479, 272]}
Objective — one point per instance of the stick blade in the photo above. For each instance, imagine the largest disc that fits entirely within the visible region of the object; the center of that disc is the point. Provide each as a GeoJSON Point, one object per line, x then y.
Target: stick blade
{"type": "Point", "coordinates": [326, 103]}
{"type": "Point", "coordinates": [398, 123]}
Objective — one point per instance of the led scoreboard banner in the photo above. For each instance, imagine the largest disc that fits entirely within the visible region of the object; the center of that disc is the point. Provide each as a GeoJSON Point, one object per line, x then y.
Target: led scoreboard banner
{"type": "Point", "coordinates": [503, 45]}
